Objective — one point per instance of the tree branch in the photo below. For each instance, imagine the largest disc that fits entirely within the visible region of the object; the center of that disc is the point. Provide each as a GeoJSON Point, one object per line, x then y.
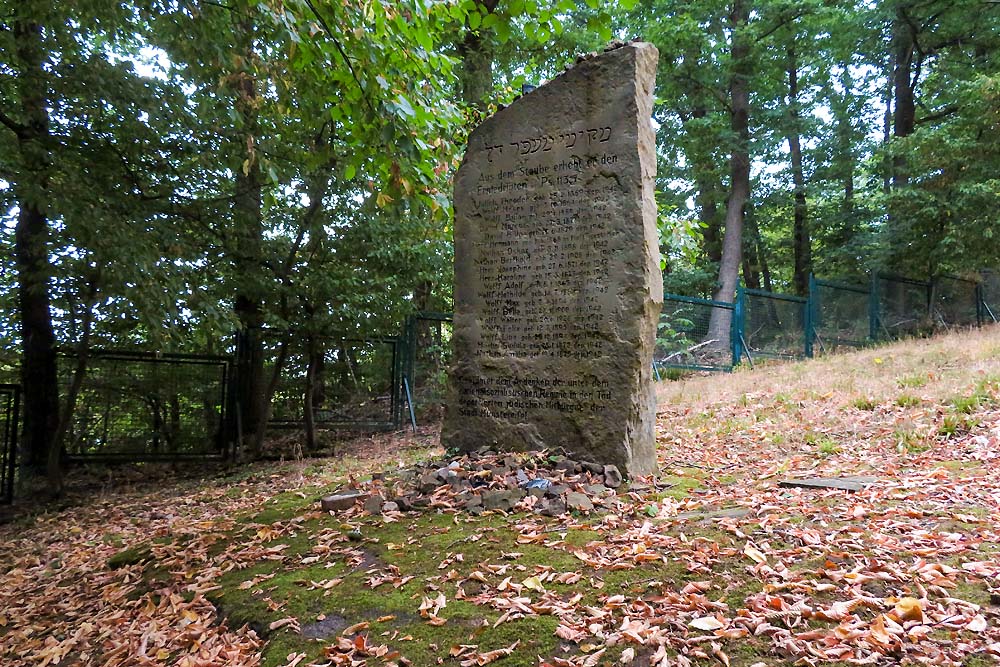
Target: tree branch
{"type": "Point", "coordinates": [343, 54]}
{"type": "Point", "coordinates": [12, 125]}
{"type": "Point", "coordinates": [937, 115]}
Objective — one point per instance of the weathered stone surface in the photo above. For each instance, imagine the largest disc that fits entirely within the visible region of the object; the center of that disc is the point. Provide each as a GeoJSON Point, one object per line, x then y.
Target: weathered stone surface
{"type": "Point", "coordinates": [502, 500]}
{"type": "Point", "coordinates": [557, 279]}
{"type": "Point", "coordinates": [552, 507]}
{"type": "Point", "coordinates": [709, 514]}
{"type": "Point", "coordinates": [612, 476]}
{"type": "Point", "coordinates": [578, 501]}
{"type": "Point", "coordinates": [568, 465]}
{"type": "Point", "coordinates": [373, 504]}
{"type": "Point", "coordinates": [855, 483]}
{"type": "Point", "coordinates": [341, 501]}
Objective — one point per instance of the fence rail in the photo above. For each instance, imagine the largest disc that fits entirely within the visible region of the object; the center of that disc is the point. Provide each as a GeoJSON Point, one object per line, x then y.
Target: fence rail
{"type": "Point", "coordinates": [834, 315]}
{"type": "Point", "coordinates": [330, 381]}
{"type": "Point", "coordinates": [137, 406]}
{"type": "Point", "coordinates": [687, 335]}
{"type": "Point", "coordinates": [145, 406]}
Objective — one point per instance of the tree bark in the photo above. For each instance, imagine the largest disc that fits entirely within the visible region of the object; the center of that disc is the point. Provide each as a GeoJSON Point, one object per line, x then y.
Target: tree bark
{"type": "Point", "coordinates": [248, 232]}
{"type": "Point", "coordinates": [802, 243]}
{"type": "Point", "coordinates": [31, 235]}
{"type": "Point", "coordinates": [308, 400]}
{"type": "Point", "coordinates": [903, 84]}
{"type": "Point", "coordinates": [54, 471]}
{"type": "Point", "coordinates": [703, 169]}
{"type": "Point", "coordinates": [739, 171]}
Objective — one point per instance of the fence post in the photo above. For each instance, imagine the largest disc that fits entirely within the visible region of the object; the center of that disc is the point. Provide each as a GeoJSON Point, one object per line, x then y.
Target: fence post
{"type": "Point", "coordinates": [873, 303]}
{"type": "Point", "coordinates": [405, 366]}
{"type": "Point", "coordinates": [736, 326]}
{"type": "Point", "coordinates": [980, 319]}
{"type": "Point", "coordinates": [810, 306]}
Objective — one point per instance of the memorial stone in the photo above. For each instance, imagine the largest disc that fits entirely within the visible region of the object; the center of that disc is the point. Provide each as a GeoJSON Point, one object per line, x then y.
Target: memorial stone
{"type": "Point", "coordinates": [557, 276]}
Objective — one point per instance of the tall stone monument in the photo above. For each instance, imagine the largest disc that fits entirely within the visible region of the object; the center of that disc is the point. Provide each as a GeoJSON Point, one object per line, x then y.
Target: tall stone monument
{"type": "Point", "coordinates": [557, 274]}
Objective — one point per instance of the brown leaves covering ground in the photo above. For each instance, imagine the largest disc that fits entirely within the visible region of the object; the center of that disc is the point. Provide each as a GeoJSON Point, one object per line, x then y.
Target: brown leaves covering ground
{"type": "Point", "coordinates": [906, 570]}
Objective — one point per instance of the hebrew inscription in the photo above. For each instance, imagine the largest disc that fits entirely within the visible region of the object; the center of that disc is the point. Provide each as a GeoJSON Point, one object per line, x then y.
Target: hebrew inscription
{"type": "Point", "coordinates": [557, 270]}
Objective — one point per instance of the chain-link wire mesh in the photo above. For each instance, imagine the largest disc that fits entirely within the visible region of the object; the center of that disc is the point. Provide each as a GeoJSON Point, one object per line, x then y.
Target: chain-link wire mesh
{"type": "Point", "coordinates": [145, 406]}
{"type": "Point", "coordinates": [840, 315]}
{"type": "Point", "coordinates": [774, 325]}
{"type": "Point", "coordinates": [903, 307]}
{"type": "Point", "coordinates": [345, 383]}
{"type": "Point", "coordinates": [10, 395]}
{"type": "Point", "coordinates": [685, 338]}
{"type": "Point", "coordinates": [990, 295]}
{"type": "Point", "coordinates": [955, 303]}
{"type": "Point", "coordinates": [428, 341]}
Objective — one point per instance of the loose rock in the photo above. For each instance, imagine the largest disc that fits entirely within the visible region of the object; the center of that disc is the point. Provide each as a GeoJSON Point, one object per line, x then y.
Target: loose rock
{"type": "Point", "coordinates": [341, 501]}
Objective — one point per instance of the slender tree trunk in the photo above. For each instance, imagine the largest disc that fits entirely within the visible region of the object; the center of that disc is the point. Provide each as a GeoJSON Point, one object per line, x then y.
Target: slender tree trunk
{"type": "Point", "coordinates": [753, 229]}
{"type": "Point", "coordinates": [31, 236]}
{"type": "Point", "coordinates": [58, 447]}
{"type": "Point", "coordinates": [248, 232]}
{"type": "Point", "coordinates": [703, 169]}
{"type": "Point", "coordinates": [844, 157]}
{"type": "Point", "coordinates": [265, 403]}
{"type": "Point", "coordinates": [802, 243]}
{"type": "Point", "coordinates": [308, 402]}
{"type": "Point", "coordinates": [903, 82]}
{"type": "Point", "coordinates": [739, 171]}
{"type": "Point", "coordinates": [751, 259]}
{"type": "Point", "coordinates": [887, 134]}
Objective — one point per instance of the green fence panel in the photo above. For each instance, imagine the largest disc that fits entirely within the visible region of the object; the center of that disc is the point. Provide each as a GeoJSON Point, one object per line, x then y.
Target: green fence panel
{"type": "Point", "coordinates": [694, 334]}
{"type": "Point", "coordinates": [955, 302]}
{"type": "Point", "coordinates": [839, 316]}
{"type": "Point", "coordinates": [989, 297]}
{"type": "Point", "coordinates": [774, 325]}
{"type": "Point", "coordinates": [903, 306]}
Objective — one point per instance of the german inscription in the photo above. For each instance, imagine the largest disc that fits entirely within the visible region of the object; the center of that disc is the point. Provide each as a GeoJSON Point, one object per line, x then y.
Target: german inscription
{"type": "Point", "coordinates": [557, 269]}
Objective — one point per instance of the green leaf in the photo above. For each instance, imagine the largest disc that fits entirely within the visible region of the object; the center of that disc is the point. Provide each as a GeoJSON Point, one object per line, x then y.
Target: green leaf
{"type": "Point", "coordinates": [474, 20]}
{"type": "Point", "coordinates": [349, 172]}
{"type": "Point", "coordinates": [404, 105]}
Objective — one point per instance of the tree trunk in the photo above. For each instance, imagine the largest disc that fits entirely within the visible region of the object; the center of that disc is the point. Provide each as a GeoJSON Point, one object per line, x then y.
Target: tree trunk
{"type": "Point", "coordinates": [308, 400]}
{"type": "Point", "coordinates": [57, 448]}
{"type": "Point", "coordinates": [753, 229]}
{"type": "Point", "coordinates": [739, 171]}
{"type": "Point", "coordinates": [801, 242]}
{"type": "Point", "coordinates": [843, 159]}
{"type": "Point", "coordinates": [903, 84]}
{"type": "Point", "coordinates": [31, 235]}
{"type": "Point", "coordinates": [248, 232]}
{"type": "Point", "coordinates": [703, 170]}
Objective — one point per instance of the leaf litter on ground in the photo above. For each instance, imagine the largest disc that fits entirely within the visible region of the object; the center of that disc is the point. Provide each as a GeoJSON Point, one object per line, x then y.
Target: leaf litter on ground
{"type": "Point", "coordinates": [905, 569]}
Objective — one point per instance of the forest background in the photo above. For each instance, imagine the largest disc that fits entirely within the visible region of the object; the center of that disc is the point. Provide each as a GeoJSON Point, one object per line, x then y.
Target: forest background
{"type": "Point", "coordinates": [173, 173]}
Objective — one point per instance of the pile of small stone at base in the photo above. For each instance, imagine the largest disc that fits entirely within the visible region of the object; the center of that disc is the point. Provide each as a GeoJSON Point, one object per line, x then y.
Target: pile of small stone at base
{"type": "Point", "coordinates": [487, 481]}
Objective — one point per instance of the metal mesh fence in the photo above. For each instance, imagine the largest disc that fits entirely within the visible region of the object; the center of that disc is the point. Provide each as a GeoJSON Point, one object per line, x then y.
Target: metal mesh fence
{"type": "Point", "coordinates": [685, 338]}
{"type": "Point", "coordinates": [774, 325]}
{"type": "Point", "coordinates": [990, 295]}
{"type": "Point", "coordinates": [428, 358]}
{"type": "Point", "coordinates": [147, 406]}
{"type": "Point", "coordinates": [344, 383]}
{"type": "Point", "coordinates": [10, 396]}
{"type": "Point", "coordinates": [840, 315]}
{"type": "Point", "coordinates": [955, 302]}
{"type": "Point", "coordinates": [903, 306]}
